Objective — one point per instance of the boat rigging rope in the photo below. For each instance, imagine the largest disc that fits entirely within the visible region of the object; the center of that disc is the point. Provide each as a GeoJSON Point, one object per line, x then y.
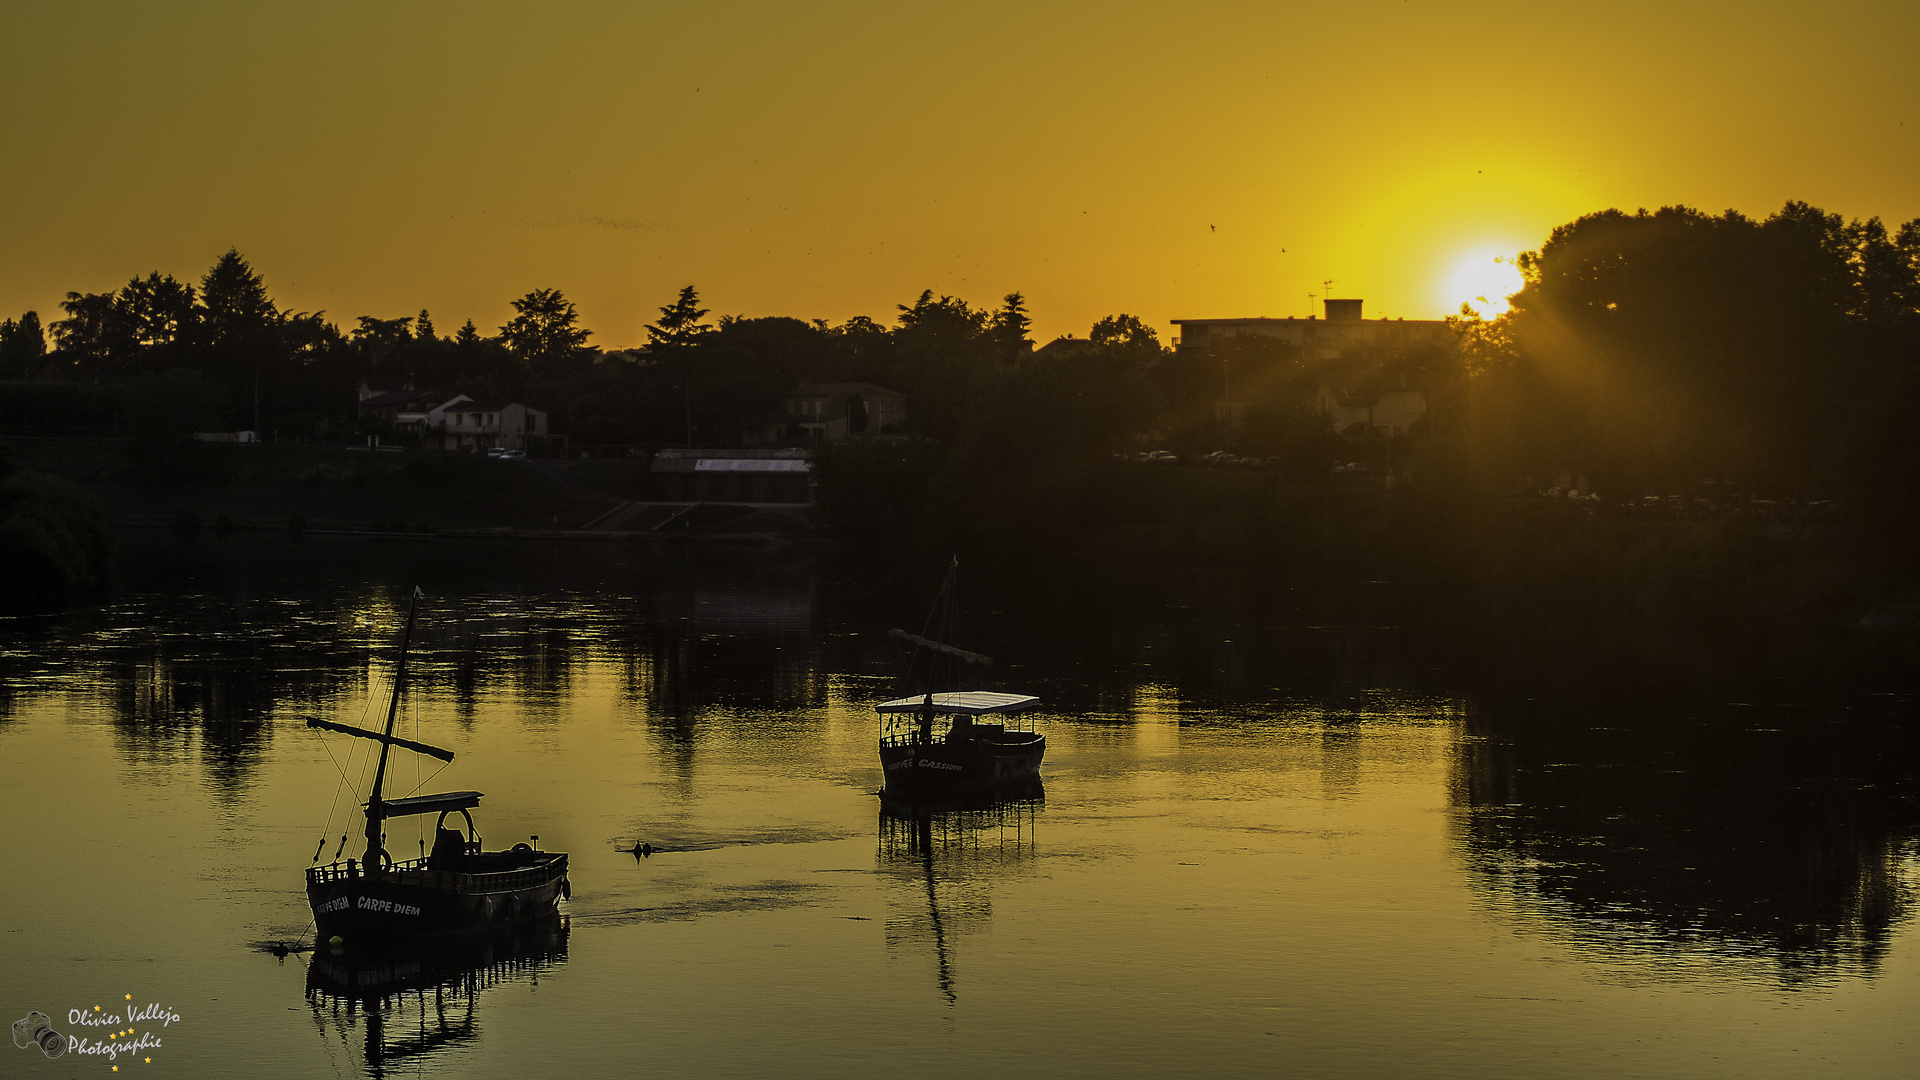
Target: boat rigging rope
{"type": "Point", "coordinates": [334, 806]}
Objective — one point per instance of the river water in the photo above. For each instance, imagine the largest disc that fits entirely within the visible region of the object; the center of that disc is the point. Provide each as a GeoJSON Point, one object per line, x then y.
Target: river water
{"type": "Point", "coordinates": [1272, 843]}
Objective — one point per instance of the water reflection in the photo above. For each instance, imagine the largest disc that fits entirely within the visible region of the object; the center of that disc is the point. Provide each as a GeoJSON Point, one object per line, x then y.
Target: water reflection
{"type": "Point", "coordinates": [406, 1005]}
{"type": "Point", "coordinates": [1771, 841]}
{"type": "Point", "coordinates": [944, 856]}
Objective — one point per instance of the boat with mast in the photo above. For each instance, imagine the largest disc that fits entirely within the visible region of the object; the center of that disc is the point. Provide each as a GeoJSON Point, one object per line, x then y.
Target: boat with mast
{"type": "Point", "coordinates": [916, 753]}
{"type": "Point", "coordinates": [457, 888]}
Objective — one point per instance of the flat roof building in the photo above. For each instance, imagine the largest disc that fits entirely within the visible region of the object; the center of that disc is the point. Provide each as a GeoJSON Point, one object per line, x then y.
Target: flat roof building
{"type": "Point", "coordinates": [1342, 335]}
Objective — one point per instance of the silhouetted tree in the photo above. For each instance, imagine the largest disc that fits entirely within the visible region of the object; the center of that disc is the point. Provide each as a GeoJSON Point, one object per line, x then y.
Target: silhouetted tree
{"type": "Point", "coordinates": [1126, 335]}
{"type": "Point", "coordinates": [1009, 327]}
{"type": "Point", "coordinates": [1651, 350]}
{"type": "Point", "coordinates": [680, 323]}
{"type": "Point", "coordinates": [943, 354]}
{"type": "Point", "coordinates": [375, 333]}
{"type": "Point", "coordinates": [23, 346]}
{"type": "Point", "coordinates": [544, 334]}
{"type": "Point", "coordinates": [161, 311]}
{"type": "Point", "coordinates": [236, 310]}
{"type": "Point", "coordinates": [95, 333]}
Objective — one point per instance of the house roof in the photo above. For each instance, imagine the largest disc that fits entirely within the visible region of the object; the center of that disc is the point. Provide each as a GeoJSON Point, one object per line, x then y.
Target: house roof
{"type": "Point", "coordinates": [1067, 346]}
{"type": "Point", "coordinates": [404, 398]}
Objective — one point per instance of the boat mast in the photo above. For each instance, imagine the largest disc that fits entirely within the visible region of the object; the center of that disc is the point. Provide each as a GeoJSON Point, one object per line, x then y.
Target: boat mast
{"type": "Point", "coordinates": [376, 810]}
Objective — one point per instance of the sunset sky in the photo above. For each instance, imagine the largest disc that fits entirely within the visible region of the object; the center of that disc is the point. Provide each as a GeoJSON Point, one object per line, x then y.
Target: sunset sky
{"type": "Point", "coordinates": [834, 159]}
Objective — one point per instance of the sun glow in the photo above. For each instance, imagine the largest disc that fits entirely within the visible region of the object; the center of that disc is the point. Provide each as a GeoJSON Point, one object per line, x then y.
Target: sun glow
{"type": "Point", "coordinates": [1483, 283]}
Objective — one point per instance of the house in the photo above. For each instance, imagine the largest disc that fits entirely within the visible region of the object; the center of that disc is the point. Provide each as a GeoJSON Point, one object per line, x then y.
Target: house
{"type": "Point", "coordinates": [830, 411]}
{"type": "Point", "coordinates": [486, 425]}
{"type": "Point", "coordinates": [734, 476]}
{"type": "Point", "coordinates": [1361, 375]}
{"type": "Point", "coordinates": [404, 408]}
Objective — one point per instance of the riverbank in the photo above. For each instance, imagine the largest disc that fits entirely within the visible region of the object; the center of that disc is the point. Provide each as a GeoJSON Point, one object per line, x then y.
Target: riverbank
{"type": "Point", "coordinates": [355, 491]}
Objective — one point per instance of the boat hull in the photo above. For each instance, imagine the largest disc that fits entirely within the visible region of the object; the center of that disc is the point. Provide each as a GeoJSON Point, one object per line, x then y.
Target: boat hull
{"type": "Point", "coordinates": [412, 902]}
{"type": "Point", "coordinates": [938, 765]}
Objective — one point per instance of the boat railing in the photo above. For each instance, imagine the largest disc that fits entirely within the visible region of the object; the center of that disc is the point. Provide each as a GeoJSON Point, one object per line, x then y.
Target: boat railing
{"type": "Point", "coordinates": [415, 872]}
{"type": "Point", "coordinates": [903, 729]}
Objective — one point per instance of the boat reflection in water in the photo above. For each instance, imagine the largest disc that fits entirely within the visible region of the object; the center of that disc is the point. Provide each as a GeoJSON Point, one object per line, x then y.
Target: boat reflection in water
{"type": "Point", "coordinates": [943, 853]}
{"type": "Point", "coordinates": [410, 1003]}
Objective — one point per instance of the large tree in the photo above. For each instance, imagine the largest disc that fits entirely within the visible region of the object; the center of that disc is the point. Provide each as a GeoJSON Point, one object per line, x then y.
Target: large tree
{"type": "Point", "coordinates": [1009, 327]}
{"type": "Point", "coordinates": [1657, 349]}
{"type": "Point", "coordinates": [23, 346]}
{"type": "Point", "coordinates": [96, 332]}
{"type": "Point", "coordinates": [236, 310]}
{"type": "Point", "coordinates": [162, 311]}
{"type": "Point", "coordinates": [681, 323]}
{"type": "Point", "coordinates": [544, 334]}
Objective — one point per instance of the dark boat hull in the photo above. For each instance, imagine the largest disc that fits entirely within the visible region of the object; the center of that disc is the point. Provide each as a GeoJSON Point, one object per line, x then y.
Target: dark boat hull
{"type": "Point", "coordinates": [412, 902]}
{"type": "Point", "coordinates": [949, 765]}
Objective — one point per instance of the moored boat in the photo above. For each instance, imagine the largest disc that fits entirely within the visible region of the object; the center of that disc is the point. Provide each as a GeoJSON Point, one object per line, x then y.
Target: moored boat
{"type": "Point", "coordinates": [954, 738]}
{"type": "Point", "coordinates": [457, 888]}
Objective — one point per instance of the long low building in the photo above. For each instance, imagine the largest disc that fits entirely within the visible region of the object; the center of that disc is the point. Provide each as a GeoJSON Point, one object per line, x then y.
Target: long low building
{"type": "Point", "coordinates": [734, 476]}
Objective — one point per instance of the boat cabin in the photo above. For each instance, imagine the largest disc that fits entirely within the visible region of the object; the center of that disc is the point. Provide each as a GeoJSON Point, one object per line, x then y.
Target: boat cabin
{"type": "Point", "coordinates": [909, 721]}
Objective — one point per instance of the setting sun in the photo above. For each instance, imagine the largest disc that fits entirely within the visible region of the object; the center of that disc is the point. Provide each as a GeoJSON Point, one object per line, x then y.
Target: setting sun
{"type": "Point", "coordinates": [1483, 283]}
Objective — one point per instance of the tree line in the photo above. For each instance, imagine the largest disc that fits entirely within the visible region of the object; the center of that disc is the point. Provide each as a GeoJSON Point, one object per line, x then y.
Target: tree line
{"type": "Point", "coordinates": [222, 354]}
{"type": "Point", "coordinates": [1657, 351]}
{"type": "Point", "coordinates": [1649, 351]}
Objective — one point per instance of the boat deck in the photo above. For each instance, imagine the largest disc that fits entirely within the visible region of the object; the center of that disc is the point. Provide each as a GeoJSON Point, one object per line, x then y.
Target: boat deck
{"type": "Point", "coordinates": [514, 872]}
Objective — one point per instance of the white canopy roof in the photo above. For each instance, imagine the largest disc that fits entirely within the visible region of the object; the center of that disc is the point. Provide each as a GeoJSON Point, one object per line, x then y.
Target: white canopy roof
{"type": "Point", "coordinates": [969, 702]}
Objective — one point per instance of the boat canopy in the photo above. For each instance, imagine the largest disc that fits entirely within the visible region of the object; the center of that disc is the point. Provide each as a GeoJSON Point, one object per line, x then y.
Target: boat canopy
{"type": "Point", "coordinates": [968, 702]}
{"type": "Point", "coordinates": [444, 803]}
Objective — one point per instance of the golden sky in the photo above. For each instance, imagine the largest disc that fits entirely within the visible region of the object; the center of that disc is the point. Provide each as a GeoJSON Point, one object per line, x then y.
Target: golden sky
{"type": "Point", "coordinates": [833, 159]}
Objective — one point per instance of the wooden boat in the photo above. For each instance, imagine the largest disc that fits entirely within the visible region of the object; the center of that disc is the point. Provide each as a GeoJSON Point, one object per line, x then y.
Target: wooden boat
{"type": "Point", "coordinates": [457, 888]}
{"type": "Point", "coordinates": [937, 739]}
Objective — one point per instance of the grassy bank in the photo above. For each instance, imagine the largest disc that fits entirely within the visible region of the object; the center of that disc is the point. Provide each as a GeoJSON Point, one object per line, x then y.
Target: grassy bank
{"type": "Point", "coordinates": [269, 484]}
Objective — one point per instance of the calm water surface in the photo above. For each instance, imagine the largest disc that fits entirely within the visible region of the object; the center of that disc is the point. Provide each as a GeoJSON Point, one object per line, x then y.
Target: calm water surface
{"type": "Point", "coordinates": [1265, 845]}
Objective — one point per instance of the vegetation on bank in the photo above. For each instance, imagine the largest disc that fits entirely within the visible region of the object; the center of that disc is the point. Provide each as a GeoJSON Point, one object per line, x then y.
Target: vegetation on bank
{"type": "Point", "coordinates": [53, 543]}
{"type": "Point", "coordinates": [1652, 353]}
{"type": "Point", "coordinates": [329, 487]}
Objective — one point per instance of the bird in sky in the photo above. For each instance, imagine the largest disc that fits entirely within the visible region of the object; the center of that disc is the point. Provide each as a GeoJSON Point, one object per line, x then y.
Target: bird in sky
{"type": "Point", "coordinates": [1209, 228]}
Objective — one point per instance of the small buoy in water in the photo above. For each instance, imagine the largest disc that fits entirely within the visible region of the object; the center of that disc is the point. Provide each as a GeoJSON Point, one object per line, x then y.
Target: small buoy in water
{"type": "Point", "coordinates": [336, 940]}
{"type": "Point", "coordinates": [279, 949]}
{"type": "Point", "coordinates": [646, 850]}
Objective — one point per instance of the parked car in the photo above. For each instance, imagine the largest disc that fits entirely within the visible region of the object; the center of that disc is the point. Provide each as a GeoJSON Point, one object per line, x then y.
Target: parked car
{"type": "Point", "coordinates": [513, 455]}
{"type": "Point", "coordinates": [496, 451]}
